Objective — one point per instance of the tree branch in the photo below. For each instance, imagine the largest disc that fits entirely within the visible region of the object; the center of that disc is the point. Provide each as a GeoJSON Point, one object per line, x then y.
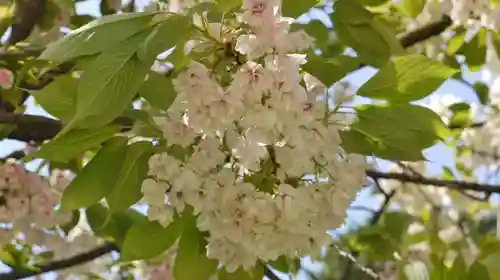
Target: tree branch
{"type": "Point", "coordinates": [39, 128]}
{"type": "Point", "coordinates": [451, 184]}
{"type": "Point", "coordinates": [62, 264]}
{"type": "Point", "coordinates": [425, 32]}
{"type": "Point", "coordinates": [30, 127]}
{"type": "Point", "coordinates": [270, 274]}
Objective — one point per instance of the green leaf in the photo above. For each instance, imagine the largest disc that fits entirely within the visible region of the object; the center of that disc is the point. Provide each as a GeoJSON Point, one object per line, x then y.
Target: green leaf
{"type": "Point", "coordinates": [482, 92]}
{"type": "Point", "coordinates": [147, 240]}
{"type": "Point", "coordinates": [58, 98]}
{"type": "Point", "coordinates": [108, 85]}
{"type": "Point", "coordinates": [296, 8]}
{"type": "Point", "coordinates": [475, 51]}
{"type": "Point", "coordinates": [458, 270]}
{"type": "Point", "coordinates": [108, 225]}
{"type": "Point", "coordinates": [370, 134]}
{"type": "Point", "coordinates": [144, 124]}
{"type": "Point", "coordinates": [396, 224]}
{"type": "Point", "coordinates": [280, 264]}
{"type": "Point", "coordinates": [495, 40]}
{"type": "Point", "coordinates": [491, 263]}
{"type": "Point", "coordinates": [407, 78]}
{"type": "Point", "coordinates": [461, 115]}
{"type": "Point", "coordinates": [133, 172]}
{"type": "Point", "coordinates": [412, 8]}
{"type": "Point", "coordinates": [171, 31]}
{"type": "Point", "coordinates": [373, 3]}
{"type": "Point", "coordinates": [98, 178]}
{"type": "Point", "coordinates": [477, 271]}
{"type": "Point", "coordinates": [72, 144]}
{"type": "Point", "coordinates": [97, 36]}
{"type": "Point", "coordinates": [388, 33]}
{"type": "Point", "coordinates": [457, 41]}
{"type": "Point", "coordinates": [158, 91]}
{"type": "Point", "coordinates": [316, 29]}
{"type": "Point", "coordinates": [228, 5]}
{"type": "Point", "coordinates": [192, 254]}
{"type": "Point", "coordinates": [329, 71]}
{"type": "Point", "coordinates": [352, 12]}
{"type": "Point", "coordinates": [355, 26]}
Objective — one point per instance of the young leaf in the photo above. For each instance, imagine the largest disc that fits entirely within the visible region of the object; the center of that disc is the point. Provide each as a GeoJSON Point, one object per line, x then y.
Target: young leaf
{"type": "Point", "coordinates": [133, 172]}
{"type": "Point", "coordinates": [96, 36]}
{"type": "Point", "coordinates": [412, 8]}
{"type": "Point", "coordinates": [171, 31]}
{"type": "Point", "coordinates": [353, 12]}
{"type": "Point", "coordinates": [329, 71]}
{"type": "Point", "coordinates": [413, 128]}
{"type": "Point", "coordinates": [108, 85]}
{"type": "Point", "coordinates": [147, 240]}
{"type": "Point", "coordinates": [373, 3]}
{"type": "Point", "coordinates": [482, 92]}
{"type": "Point", "coordinates": [477, 271]}
{"type": "Point", "coordinates": [475, 51]}
{"type": "Point", "coordinates": [70, 145]}
{"type": "Point", "coordinates": [495, 41]}
{"type": "Point", "coordinates": [158, 91]}
{"type": "Point", "coordinates": [457, 41]}
{"type": "Point", "coordinates": [58, 98]}
{"type": "Point", "coordinates": [355, 26]}
{"type": "Point", "coordinates": [228, 5]}
{"type": "Point", "coordinates": [407, 78]}
{"type": "Point", "coordinates": [317, 30]}
{"type": "Point", "coordinates": [116, 225]}
{"type": "Point", "coordinates": [459, 268]}
{"type": "Point", "coordinates": [461, 115]}
{"type": "Point", "coordinates": [295, 8]}
{"type": "Point", "coordinates": [280, 264]}
{"type": "Point", "coordinates": [98, 177]}
{"type": "Point", "coordinates": [192, 254]}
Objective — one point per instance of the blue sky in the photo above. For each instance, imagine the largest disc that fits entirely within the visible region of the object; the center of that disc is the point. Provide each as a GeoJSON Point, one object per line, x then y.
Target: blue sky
{"type": "Point", "coordinates": [437, 155]}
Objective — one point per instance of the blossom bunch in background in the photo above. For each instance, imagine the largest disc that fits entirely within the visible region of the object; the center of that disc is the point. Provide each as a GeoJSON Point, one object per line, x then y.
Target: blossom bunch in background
{"type": "Point", "coordinates": [462, 12]}
{"type": "Point", "coordinates": [258, 157]}
{"type": "Point", "coordinates": [28, 198]}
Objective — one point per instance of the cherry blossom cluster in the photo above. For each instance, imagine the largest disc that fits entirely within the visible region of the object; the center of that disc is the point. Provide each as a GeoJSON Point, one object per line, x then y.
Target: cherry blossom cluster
{"type": "Point", "coordinates": [258, 158]}
{"type": "Point", "coordinates": [462, 12]}
{"type": "Point", "coordinates": [26, 198]}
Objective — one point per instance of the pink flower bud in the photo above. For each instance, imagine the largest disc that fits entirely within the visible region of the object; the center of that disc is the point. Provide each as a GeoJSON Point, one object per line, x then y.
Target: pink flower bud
{"type": "Point", "coordinates": [6, 78]}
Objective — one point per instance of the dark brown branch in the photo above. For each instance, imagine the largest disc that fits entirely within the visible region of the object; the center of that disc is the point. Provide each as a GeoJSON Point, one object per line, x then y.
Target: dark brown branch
{"type": "Point", "coordinates": [425, 32]}
{"type": "Point", "coordinates": [472, 125]}
{"type": "Point", "coordinates": [27, 14]}
{"type": "Point", "coordinates": [62, 264]}
{"type": "Point", "coordinates": [39, 128]}
{"type": "Point", "coordinates": [22, 53]}
{"type": "Point", "coordinates": [451, 184]}
{"type": "Point", "coordinates": [30, 127]}
{"type": "Point", "coordinates": [270, 274]}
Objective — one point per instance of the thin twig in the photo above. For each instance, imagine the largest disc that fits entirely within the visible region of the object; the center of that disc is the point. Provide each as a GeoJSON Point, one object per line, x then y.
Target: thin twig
{"type": "Point", "coordinates": [373, 221]}
{"type": "Point", "coordinates": [62, 264]}
{"type": "Point", "coordinates": [451, 184]}
{"type": "Point", "coordinates": [270, 274]}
